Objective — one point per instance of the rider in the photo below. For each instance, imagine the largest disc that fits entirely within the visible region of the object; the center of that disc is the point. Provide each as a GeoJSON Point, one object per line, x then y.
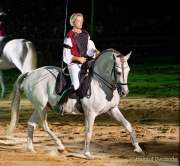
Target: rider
{"type": "Point", "coordinates": [77, 46]}
{"type": "Point", "coordinates": [2, 25]}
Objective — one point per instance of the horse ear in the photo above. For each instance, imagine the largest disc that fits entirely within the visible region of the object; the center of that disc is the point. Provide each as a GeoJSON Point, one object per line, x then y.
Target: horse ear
{"type": "Point", "coordinates": [128, 55]}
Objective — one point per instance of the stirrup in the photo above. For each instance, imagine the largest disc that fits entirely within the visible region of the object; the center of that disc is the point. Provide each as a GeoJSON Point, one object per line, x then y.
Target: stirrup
{"type": "Point", "coordinates": [61, 109]}
{"type": "Point", "coordinates": [64, 72]}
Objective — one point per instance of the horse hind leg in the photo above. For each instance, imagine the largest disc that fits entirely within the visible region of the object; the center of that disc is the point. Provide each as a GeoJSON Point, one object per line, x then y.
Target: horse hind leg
{"type": "Point", "coordinates": [89, 122]}
{"type": "Point", "coordinates": [117, 115]}
{"type": "Point", "coordinates": [57, 141]}
{"type": "Point", "coordinates": [32, 123]}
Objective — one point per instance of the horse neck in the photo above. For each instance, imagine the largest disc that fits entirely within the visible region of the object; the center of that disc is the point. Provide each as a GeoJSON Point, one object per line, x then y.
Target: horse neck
{"type": "Point", "coordinates": [104, 67]}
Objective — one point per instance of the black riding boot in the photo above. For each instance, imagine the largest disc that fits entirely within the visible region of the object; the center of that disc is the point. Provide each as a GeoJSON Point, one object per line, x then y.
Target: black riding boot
{"type": "Point", "coordinates": [64, 98]}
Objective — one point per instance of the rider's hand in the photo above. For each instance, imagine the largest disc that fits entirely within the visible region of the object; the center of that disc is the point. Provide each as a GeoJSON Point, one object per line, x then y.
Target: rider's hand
{"type": "Point", "coordinates": [82, 60]}
{"type": "Point", "coordinates": [97, 51]}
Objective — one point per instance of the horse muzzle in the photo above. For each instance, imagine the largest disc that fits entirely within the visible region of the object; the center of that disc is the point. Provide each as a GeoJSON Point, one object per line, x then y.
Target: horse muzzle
{"type": "Point", "coordinates": [124, 94]}
{"type": "Point", "coordinates": [122, 89]}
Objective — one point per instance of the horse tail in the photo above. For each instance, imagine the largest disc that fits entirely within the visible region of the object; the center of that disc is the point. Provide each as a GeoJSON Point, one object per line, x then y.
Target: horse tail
{"type": "Point", "coordinates": [15, 103]}
{"type": "Point", "coordinates": [30, 62]}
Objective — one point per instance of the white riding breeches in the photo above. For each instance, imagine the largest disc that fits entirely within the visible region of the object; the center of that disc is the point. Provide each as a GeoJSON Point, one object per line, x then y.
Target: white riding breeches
{"type": "Point", "coordinates": [74, 74]}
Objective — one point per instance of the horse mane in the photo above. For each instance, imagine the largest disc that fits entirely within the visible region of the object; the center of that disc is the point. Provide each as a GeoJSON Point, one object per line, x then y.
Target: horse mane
{"type": "Point", "coordinates": [110, 50]}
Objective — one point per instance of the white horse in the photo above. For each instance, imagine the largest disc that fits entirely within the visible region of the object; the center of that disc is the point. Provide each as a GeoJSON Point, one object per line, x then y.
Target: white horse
{"type": "Point", "coordinates": [39, 86]}
{"type": "Point", "coordinates": [17, 53]}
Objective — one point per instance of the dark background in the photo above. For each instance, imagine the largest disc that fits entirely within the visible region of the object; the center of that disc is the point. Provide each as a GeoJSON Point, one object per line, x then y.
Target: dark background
{"type": "Point", "coordinates": [149, 28]}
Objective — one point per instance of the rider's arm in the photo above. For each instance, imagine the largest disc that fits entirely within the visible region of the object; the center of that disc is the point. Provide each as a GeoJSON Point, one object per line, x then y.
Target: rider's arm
{"type": "Point", "coordinates": [97, 52]}
{"type": "Point", "coordinates": [68, 57]}
{"type": "Point", "coordinates": [91, 49]}
{"type": "Point", "coordinates": [77, 59]}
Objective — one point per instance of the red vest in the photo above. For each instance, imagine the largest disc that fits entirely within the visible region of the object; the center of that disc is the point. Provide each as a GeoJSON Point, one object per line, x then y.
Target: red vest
{"type": "Point", "coordinates": [79, 45]}
{"type": "Point", "coordinates": [74, 49]}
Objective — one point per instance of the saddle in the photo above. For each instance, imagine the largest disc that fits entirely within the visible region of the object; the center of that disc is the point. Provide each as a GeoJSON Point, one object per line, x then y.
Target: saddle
{"type": "Point", "coordinates": [63, 82]}
{"type": "Point", "coordinates": [3, 43]}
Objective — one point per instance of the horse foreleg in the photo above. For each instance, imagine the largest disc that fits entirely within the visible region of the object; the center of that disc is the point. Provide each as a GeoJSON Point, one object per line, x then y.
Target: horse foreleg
{"type": "Point", "coordinates": [89, 122]}
{"type": "Point", "coordinates": [117, 115]}
{"type": "Point", "coordinates": [2, 85]}
{"type": "Point", "coordinates": [57, 141]}
{"type": "Point", "coordinates": [32, 123]}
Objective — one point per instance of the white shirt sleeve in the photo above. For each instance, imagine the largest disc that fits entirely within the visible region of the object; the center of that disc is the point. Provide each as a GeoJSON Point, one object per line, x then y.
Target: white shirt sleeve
{"type": "Point", "coordinates": [91, 49]}
{"type": "Point", "coordinates": [67, 56]}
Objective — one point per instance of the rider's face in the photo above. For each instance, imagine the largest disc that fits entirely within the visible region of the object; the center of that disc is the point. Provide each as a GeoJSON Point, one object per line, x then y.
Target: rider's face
{"type": "Point", "coordinates": [78, 23]}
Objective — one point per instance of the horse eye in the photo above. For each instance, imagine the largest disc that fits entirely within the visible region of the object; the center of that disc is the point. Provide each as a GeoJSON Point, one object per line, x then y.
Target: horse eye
{"type": "Point", "coordinates": [118, 71]}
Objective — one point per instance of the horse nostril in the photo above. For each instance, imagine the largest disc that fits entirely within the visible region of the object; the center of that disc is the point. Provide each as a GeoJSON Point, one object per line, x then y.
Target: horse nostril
{"type": "Point", "coordinates": [122, 93]}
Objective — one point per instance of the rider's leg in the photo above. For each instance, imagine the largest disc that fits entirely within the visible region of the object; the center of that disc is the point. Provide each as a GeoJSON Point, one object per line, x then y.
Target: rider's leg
{"type": "Point", "coordinates": [74, 75]}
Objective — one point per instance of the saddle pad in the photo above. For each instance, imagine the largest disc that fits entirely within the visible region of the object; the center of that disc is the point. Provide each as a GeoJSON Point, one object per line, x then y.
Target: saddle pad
{"type": "Point", "coordinates": [63, 82]}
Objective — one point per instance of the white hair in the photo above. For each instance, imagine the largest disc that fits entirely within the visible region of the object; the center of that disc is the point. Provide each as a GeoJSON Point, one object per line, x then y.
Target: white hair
{"type": "Point", "coordinates": [73, 18]}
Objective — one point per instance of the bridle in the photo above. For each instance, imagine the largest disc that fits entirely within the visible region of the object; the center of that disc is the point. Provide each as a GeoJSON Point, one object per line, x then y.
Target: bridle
{"type": "Point", "coordinates": [113, 86]}
{"type": "Point", "coordinates": [107, 83]}
{"type": "Point", "coordinates": [122, 67]}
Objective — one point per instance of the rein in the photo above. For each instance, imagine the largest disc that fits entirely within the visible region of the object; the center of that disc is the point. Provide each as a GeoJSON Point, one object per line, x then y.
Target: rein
{"type": "Point", "coordinates": [107, 83]}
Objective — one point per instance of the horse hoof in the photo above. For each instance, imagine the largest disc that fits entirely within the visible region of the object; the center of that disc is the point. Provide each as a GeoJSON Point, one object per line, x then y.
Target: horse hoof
{"type": "Point", "coordinates": [8, 133]}
{"type": "Point", "coordinates": [33, 151]}
{"type": "Point", "coordinates": [89, 156]}
{"type": "Point", "coordinates": [139, 151]}
{"type": "Point", "coordinates": [53, 152]}
{"type": "Point", "coordinates": [30, 150]}
{"type": "Point", "coordinates": [61, 150]}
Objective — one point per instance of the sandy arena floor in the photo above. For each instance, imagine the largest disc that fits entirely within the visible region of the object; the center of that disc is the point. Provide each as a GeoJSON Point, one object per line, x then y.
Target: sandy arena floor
{"type": "Point", "coordinates": [155, 121]}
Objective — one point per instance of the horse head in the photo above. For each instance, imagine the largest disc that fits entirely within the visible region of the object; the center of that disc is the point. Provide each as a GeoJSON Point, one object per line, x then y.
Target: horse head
{"type": "Point", "coordinates": [112, 68]}
{"type": "Point", "coordinates": [121, 72]}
